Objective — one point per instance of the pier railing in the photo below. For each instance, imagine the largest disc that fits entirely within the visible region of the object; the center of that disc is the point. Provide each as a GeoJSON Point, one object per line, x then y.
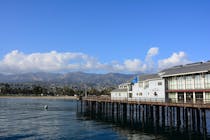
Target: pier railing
{"type": "Point", "coordinates": [151, 101]}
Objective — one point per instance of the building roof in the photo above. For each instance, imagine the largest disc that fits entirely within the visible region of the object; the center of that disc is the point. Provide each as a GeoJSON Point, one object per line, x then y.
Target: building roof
{"type": "Point", "coordinates": [119, 90]}
{"type": "Point", "coordinates": [148, 77]}
{"type": "Point", "coordinates": [192, 68]}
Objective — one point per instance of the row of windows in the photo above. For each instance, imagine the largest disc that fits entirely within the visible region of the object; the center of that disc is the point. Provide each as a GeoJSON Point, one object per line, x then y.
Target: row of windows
{"type": "Point", "coordinates": [189, 96]}
{"type": "Point", "coordinates": [139, 94]}
{"type": "Point", "coordinates": [119, 94]}
{"type": "Point", "coordinates": [123, 86]}
{"type": "Point", "coordinates": [146, 84]}
{"type": "Point", "coordinates": [189, 82]}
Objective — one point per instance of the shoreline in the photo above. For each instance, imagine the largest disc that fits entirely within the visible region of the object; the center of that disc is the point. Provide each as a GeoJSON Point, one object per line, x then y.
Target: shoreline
{"type": "Point", "coordinates": [42, 97]}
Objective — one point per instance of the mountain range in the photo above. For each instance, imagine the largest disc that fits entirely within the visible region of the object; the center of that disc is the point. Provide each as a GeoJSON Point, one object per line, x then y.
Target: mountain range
{"type": "Point", "coordinates": [71, 79]}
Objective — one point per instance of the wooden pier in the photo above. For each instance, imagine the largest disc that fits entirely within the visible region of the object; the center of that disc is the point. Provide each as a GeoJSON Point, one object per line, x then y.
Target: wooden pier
{"type": "Point", "coordinates": [190, 116]}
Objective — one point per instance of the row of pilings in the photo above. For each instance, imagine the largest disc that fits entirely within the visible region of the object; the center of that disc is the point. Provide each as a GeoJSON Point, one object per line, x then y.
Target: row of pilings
{"type": "Point", "coordinates": [144, 115]}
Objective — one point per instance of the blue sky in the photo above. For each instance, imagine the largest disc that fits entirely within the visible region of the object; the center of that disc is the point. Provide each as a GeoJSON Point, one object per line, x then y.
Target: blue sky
{"type": "Point", "coordinates": [102, 36]}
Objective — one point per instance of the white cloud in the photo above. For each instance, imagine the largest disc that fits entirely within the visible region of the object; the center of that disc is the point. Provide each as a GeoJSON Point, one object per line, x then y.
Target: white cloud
{"type": "Point", "coordinates": [136, 65]}
{"type": "Point", "coordinates": [175, 59]}
{"type": "Point", "coordinates": [19, 62]}
{"type": "Point", "coordinates": [152, 52]}
{"type": "Point", "coordinates": [15, 62]}
{"type": "Point", "coordinates": [132, 65]}
{"type": "Point", "coordinates": [149, 59]}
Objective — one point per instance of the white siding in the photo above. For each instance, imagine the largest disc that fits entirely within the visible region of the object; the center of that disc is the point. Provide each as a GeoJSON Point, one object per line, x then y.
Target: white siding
{"type": "Point", "coordinates": [119, 95]}
{"type": "Point", "coordinates": [153, 91]}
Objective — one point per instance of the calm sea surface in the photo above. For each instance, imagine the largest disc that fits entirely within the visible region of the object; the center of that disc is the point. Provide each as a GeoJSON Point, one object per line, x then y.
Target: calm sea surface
{"type": "Point", "coordinates": [27, 119]}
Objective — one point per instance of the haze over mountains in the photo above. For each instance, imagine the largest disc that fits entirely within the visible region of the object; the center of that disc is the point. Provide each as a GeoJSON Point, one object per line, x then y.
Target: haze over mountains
{"type": "Point", "coordinates": [72, 79]}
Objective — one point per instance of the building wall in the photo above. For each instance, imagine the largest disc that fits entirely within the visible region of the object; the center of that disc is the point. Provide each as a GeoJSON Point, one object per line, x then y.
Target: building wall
{"type": "Point", "coordinates": [152, 90]}
{"type": "Point", "coordinates": [119, 95]}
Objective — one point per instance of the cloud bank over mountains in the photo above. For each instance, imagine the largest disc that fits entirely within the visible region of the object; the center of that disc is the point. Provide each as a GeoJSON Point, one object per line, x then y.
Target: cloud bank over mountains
{"type": "Point", "coordinates": [175, 59]}
{"type": "Point", "coordinates": [19, 62]}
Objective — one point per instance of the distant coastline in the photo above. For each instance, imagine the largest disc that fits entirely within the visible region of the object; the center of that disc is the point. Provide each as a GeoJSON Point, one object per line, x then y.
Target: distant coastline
{"type": "Point", "coordinates": [42, 97]}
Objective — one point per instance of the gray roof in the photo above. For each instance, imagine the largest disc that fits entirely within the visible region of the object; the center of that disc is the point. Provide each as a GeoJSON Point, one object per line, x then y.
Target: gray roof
{"type": "Point", "coordinates": [148, 77]}
{"type": "Point", "coordinates": [192, 68]}
{"type": "Point", "coordinates": [119, 90]}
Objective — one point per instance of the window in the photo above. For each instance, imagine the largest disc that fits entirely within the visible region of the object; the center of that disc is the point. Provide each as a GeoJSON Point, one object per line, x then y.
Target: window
{"type": "Point", "coordinates": [198, 82]}
{"type": "Point", "coordinates": [207, 81]}
{"type": "Point", "coordinates": [139, 94]}
{"type": "Point", "coordinates": [159, 83]}
{"type": "Point", "coordinates": [199, 96]}
{"type": "Point", "coordinates": [189, 96]}
{"type": "Point", "coordinates": [146, 84]}
{"type": "Point", "coordinates": [141, 84]}
{"type": "Point", "coordinates": [207, 97]}
{"type": "Point", "coordinates": [180, 82]}
{"type": "Point", "coordinates": [171, 83]}
{"type": "Point", "coordinates": [172, 96]}
{"type": "Point", "coordinates": [130, 87]}
{"type": "Point", "coordinates": [189, 82]}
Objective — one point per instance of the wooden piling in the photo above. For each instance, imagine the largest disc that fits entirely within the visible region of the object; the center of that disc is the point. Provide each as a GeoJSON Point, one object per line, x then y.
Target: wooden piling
{"type": "Point", "coordinates": [163, 116]}
{"type": "Point", "coordinates": [178, 116]}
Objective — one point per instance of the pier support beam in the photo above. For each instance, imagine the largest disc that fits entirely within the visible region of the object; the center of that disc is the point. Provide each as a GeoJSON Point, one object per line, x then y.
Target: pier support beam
{"type": "Point", "coordinates": [170, 114]}
{"type": "Point", "coordinates": [163, 115]}
{"type": "Point", "coordinates": [147, 114]}
{"type": "Point", "coordinates": [143, 114]}
{"type": "Point", "coordinates": [117, 111]}
{"type": "Point", "coordinates": [81, 105]}
{"type": "Point", "coordinates": [157, 115]}
{"type": "Point", "coordinates": [151, 114]}
{"type": "Point", "coordinates": [193, 119]}
{"type": "Point", "coordinates": [203, 112]}
{"type": "Point", "coordinates": [198, 119]}
{"type": "Point", "coordinates": [136, 112]}
{"type": "Point", "coordinates": [178, 116]}
{"type": "Point", "coordinates": [189, 117]}
{"type": "Point", "coordinates": [139, 113]}
{"type": "Point", "coordinates": [186, 117]}
{"type": "Point", "coordinates": [124, 113]}
{"type": "Point", "coordinates": [100, 109]}
{"type": "Point", "coordinates": [112, 110]}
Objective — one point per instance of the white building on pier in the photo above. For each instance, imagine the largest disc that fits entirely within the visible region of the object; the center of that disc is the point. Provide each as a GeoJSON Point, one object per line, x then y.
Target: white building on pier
{"type": "Point", "coordinates": [184, 83]}
{"type": "Point", "coordinates": [148, 88]}
{"type": "Point", "coordinates": [121, 93]}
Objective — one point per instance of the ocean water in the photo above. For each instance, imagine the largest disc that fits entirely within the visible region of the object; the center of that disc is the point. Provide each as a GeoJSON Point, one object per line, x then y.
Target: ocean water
{"type": "Point", "coordinates": [26, 119]}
